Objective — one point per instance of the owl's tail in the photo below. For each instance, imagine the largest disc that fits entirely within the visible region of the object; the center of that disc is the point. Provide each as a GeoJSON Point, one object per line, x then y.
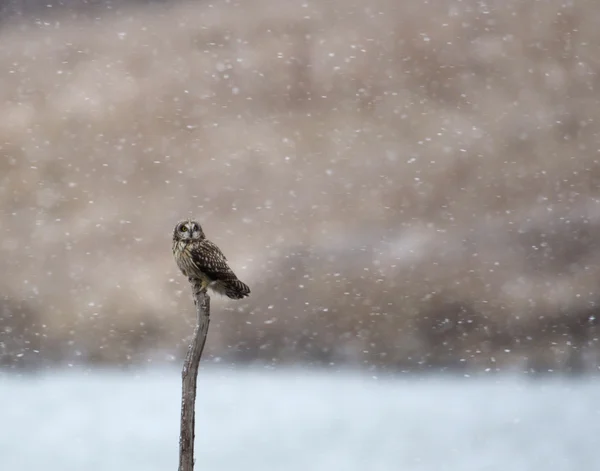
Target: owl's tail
{"type": "Point", "coordinates": [234, 289]}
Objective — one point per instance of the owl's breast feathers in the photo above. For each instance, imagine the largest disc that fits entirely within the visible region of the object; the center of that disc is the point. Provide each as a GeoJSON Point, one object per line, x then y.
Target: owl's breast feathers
{"type": "Point", "coordinates": [183, 258]}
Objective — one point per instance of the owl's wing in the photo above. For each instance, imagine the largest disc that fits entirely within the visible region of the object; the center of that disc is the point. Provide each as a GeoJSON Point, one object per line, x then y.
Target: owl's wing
{"type": "Point", "coordinates": [210, 260]}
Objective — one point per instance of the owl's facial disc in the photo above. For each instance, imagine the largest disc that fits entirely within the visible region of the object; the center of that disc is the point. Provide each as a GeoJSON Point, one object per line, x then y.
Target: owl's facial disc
{"type": "Point", "coordinates": [195, 230]}
{"type": "Point", "coordinates": [184, 231]}
{"type": "Point", "coordinates": [188, 230]}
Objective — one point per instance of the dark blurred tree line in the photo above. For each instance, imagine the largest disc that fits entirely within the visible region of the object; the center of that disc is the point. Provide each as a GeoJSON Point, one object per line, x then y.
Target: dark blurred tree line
{"type": "Point", "coordinates": [13, 9]}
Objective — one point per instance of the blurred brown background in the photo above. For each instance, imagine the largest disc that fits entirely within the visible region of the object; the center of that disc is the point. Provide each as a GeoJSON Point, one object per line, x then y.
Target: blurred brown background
{"type": "Point", "coordinates": [403, 184]}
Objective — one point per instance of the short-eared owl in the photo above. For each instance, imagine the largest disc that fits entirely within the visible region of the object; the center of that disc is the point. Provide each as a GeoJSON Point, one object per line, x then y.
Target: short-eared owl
{"type": "Point", "coordinates": [199, 259]}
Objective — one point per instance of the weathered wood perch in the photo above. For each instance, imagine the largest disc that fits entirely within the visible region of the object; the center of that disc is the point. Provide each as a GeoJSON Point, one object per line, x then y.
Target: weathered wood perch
{"type": "Point", "coordinates": [189, 375]}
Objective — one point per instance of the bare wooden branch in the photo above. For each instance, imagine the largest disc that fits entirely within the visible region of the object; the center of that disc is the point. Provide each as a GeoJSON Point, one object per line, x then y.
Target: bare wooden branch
{"type": "Point", "coordinates": [189, 376]}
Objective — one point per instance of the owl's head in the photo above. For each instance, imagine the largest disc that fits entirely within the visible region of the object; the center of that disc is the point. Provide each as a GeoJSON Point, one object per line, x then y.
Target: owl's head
{"type": "Point", "coordinates": [188, 230]}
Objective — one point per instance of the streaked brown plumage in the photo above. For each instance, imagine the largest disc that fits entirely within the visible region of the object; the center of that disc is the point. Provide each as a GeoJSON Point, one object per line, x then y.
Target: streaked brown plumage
{"type": "Point", "coordinates": [199, 259]}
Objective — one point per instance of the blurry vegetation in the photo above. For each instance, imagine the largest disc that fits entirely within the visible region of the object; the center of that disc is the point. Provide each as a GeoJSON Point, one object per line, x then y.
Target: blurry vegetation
{"type": "Point", "coordinates": [403, 184]}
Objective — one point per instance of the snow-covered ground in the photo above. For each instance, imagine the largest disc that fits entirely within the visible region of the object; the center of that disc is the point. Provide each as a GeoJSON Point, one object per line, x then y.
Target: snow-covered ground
{"type": "Point", "coordinates": [272, 420]}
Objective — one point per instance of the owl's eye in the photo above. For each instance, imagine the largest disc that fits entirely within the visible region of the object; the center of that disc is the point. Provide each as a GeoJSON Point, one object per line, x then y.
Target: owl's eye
{"type": "Point", "coordinates": [183, 228]}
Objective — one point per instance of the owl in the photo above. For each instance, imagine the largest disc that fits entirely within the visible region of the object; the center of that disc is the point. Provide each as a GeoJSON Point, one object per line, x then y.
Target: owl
{"type": "Point", "coordinates": [199, 259]}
